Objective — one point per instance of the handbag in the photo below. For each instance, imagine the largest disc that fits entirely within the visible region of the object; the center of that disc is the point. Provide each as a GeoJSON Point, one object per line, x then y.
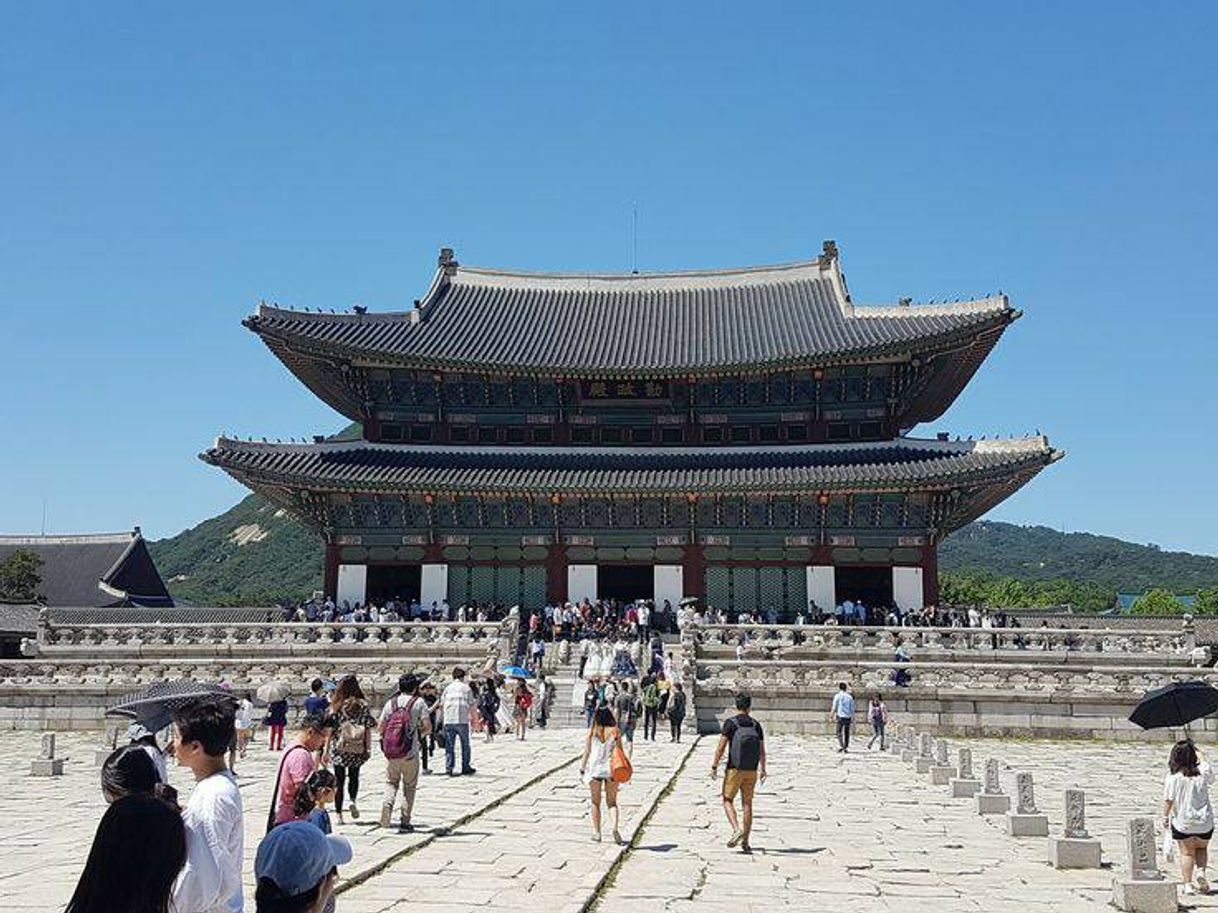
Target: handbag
{"type": "Point", "coordinates": [620, 768]}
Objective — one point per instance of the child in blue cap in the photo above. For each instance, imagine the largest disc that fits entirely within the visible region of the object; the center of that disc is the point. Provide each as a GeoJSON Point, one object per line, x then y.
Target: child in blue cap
{"type": "Point", "coordinates": [297, 867]}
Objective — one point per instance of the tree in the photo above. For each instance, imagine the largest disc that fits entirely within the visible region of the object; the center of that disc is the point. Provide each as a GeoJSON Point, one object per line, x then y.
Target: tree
{"type": "Point", "coordinates": [19, 577]}
{"type": "Point", "coordinates": [1157, 602]}
{"type": "Point", "coordinates": [1207, 601]}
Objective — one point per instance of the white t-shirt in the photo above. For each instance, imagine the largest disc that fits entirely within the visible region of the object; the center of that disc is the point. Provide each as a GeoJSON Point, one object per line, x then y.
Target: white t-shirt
{"type": "Point", "coordinates": [454, 703]}
{"type": "Point", "coordinates": [214, 812]}
{"type": "Point", "coordinates": [198, 885]}
{"type": "Point", "coordinates": [158, 761]}
{"type": "Point", "coordinates": [245, 714]}
{"type": "Point", "coordinates": [1191, 812]}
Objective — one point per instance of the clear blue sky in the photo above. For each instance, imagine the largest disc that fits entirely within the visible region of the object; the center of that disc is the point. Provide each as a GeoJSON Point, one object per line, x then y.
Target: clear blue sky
{"type": "Point", "coordinates": [164, 168]}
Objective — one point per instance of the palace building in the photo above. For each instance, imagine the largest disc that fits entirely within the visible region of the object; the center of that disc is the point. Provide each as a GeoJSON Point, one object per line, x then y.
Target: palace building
{"type": "Point", "coordinates": [737, 435]}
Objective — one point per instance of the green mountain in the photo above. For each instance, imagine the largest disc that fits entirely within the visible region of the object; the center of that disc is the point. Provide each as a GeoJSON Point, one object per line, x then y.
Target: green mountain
{"type": "Point", "coordinates": [252, 554]}
{"type": "Point", "coordinates": [255, 554]}
{"type": "Point", "coordinates": [1037, 553]}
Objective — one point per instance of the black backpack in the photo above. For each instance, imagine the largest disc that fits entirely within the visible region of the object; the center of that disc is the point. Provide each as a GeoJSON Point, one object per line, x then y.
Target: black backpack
{"type": "Point", "coordinates": [745, 749]}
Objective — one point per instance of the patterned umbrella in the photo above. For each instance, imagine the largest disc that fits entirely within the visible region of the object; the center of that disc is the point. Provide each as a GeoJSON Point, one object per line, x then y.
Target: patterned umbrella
{"type": "Point", "coordinates": [273, 691]}
{"type": "Point", "coordinates": [153, 707]}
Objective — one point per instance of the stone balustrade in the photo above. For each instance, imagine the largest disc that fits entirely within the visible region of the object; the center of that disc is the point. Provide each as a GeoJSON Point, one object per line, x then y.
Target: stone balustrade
{"type": "Point", "coordinates": [1177, 646]}
{"type": "Point", "coordinates": [269, 639]}
{"type": "Point", "coordinates": [940, 676]}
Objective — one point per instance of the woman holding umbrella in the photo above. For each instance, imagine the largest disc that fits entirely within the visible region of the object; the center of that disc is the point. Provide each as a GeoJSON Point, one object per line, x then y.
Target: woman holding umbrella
{"type": "Point", "coordinates": [1187, 811]}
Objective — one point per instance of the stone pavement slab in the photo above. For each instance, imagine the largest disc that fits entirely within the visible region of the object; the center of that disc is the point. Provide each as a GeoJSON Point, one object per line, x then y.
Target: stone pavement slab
{"type": "Point", "coordinates": [862, 832]}
{"type": "Point", "coordinates": [534, 852]}
{"type": "Point", "coordinates": [46, 844]}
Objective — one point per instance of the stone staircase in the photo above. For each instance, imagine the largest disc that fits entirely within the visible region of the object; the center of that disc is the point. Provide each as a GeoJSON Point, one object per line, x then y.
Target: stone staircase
{"type": "Point", "coordinates": [563, 675]}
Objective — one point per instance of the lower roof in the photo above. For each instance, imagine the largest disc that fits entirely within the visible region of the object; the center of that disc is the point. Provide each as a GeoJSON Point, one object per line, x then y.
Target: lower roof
{"type": "Point", "coordinates": [96, 569]}
{"type": "Point", "coordinates": [900, 464]}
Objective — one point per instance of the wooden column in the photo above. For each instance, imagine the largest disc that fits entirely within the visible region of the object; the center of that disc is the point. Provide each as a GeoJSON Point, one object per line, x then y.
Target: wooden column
{"type": "Point", "coordinates": [330, 572]}
{"type": "Point", "coordinates": [556, 574]}
{"type": "Point", "coordinates": [693, 571]}
{"type": "Point", "coordinates": [930, 575]}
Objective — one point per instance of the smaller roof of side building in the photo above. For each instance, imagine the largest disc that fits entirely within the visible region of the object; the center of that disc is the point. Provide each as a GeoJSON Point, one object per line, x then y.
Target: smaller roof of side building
{"type": "Point", "coordinates": [108, 569]}
{"type": "Point", "coordinates": [900, 464]}
{"type": "Point", "coordinates": [675, 324]}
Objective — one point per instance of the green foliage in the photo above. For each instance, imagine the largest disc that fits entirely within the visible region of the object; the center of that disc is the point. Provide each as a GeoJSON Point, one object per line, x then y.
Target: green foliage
{"type": "Point", "coordinates": [19, 577]}
{"type": "Point", "coordinates": [1207, 602]}
{"type": "Point", "coordinates": [1157, 602]}
{"type": "Point", "coordinates": [1037, 553]}
{"type": "Point", "coordinates": [984, 588]}
{"type": "Point", "coordinates": [206, 565]}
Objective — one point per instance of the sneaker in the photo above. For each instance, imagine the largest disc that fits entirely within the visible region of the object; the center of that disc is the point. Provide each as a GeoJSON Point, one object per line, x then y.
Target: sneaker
{"type": "Point", "coordinates": [469, 771]}
{"type": "Point", "coordinates": [1202, 883]}
{"type": "Point", "coordinates": [737, 836]}
{"type": "Point", "coordinates": [745, 848]}
{"type": "Point", "coordinates": [453, 773]}
{"type": "Point", "coordinates": [354, 811]}
{"type": "Point", "coordinates": [405, 828]}
{"type": "Point", "coordinates": [1189, 889]}
{"type": "Point", "coordinates": [617, 837]}
{"type": "Point", "coordinates": [596, 838]}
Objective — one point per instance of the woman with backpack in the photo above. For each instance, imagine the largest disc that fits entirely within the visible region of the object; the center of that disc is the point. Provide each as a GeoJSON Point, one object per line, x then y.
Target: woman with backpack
{"type": "Point", "coordinates": [351, 725]}
{"type": "Point", "coordinates": [488, 707]}
{"type": "Point", "coordinates": [877, 715]}
{"type": "Point", "coordinates": [522, 701]}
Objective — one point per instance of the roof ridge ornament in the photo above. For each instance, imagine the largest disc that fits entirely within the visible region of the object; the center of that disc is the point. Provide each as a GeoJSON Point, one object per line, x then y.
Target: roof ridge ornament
{"type": "Point", "coordinates": [447, 261]}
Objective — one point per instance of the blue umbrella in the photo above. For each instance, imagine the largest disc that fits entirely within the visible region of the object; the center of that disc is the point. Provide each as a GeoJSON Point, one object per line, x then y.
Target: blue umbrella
{"type": "Point", "coordinates": [514, 672]}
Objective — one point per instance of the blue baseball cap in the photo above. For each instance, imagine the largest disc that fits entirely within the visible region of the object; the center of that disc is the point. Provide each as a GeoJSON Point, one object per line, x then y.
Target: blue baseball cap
{"type": "Point", "coordinates": [296, 856]}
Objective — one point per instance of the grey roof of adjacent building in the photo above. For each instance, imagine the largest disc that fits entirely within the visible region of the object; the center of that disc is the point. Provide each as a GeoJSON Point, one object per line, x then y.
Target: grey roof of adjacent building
{"type": "Point", "coordinates": [98, 569]}
{"type": "Point", "coordinates": [772, 317]}
{"type": "Point", "coordinates": [900, 464]}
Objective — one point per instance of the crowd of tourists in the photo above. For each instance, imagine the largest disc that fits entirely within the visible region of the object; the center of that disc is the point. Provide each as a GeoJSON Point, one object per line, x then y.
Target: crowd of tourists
{"type": "Point", "coordinates": [325, 610]}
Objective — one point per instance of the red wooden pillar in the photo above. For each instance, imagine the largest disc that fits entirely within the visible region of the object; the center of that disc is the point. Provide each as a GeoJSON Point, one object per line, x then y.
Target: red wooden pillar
{"type": "Point", "coordinates": [930, 575]}
{"type": "Point", "coordinates": [330, 571]}
{"type": "Point", "coordinates": [693, 571]}
{"type": "Point", "coordinates": [556, 574]}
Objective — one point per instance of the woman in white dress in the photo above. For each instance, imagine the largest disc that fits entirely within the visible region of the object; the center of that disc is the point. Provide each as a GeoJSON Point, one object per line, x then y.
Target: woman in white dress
{"type": "Point", "coordinates": [603, 737]}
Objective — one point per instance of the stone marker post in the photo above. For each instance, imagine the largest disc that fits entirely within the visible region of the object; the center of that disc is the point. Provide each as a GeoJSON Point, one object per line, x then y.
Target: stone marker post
{"type": "Point", "coordinates": [992, 800]}
{"type": "Point", "coordinates": [963, 785]}
{"type": "Point", "coordinates": [47, 765]}
{"type": "Point", "coordinates": [1026, 821]}
{"type": "Point", "coordinates": [941, 771]}
{"type": "Point", "coordinates": [1075, 848]}
{"type": "Point", "coordinates": [923, 761]}
{"type": "Point", "coordinates": [908, 752]}
{"type": "Point", "coordinates": [1142, 889]}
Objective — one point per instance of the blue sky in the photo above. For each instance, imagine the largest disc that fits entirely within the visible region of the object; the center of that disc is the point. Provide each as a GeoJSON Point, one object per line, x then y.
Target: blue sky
{"type": "Point", "coordinates": [164, 168]}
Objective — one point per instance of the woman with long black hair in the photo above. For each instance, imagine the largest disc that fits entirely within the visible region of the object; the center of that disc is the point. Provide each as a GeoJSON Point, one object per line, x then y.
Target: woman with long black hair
{"type": "Point", "coordinates": [137, 853]}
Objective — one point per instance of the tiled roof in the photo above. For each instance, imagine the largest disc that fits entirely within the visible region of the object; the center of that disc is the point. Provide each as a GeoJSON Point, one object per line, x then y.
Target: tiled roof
{"type": "Point", "coordinates": [789, 316]}
{"type": "Point", "coordinates": [902, 463]}
{"type": "Point", "coordinates": [99, 570]}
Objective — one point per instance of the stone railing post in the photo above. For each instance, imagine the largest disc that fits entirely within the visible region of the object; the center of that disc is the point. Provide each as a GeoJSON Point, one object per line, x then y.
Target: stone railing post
{"type": "Point", "coordinates": [689, 671]}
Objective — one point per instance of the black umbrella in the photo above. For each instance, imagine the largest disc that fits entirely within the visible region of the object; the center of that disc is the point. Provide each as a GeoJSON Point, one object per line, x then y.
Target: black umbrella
{"type": "Point", "coordinates": [1177, 704]}
{"type": "Point", "coordinates": [153, 706]}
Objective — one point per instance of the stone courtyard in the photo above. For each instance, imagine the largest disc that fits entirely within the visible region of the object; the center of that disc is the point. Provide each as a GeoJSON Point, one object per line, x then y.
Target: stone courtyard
{"type": "Point", "coordinates": [856, 832]}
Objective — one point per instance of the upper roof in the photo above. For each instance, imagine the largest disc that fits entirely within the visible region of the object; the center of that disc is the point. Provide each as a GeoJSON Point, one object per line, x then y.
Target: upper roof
{"type": "Point", "coordinates": [903, 463]}
{"type": "Point", "coordinates": [105, 569]}
{"type": "Point", "coordinates": [672, 324]}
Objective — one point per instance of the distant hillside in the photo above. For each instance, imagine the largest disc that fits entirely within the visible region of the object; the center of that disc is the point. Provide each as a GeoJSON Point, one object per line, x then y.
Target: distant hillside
{"type": "Point", "coordinates": [253, 554]}
{"type": "Point", "coordinates": [257, 554]}
{"type": "Point", "coordinates": [1035, 553]}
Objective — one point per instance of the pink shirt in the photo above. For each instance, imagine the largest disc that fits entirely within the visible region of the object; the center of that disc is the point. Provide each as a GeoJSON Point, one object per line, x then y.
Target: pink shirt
{"type": "Point", "coordinates": [296, 766]}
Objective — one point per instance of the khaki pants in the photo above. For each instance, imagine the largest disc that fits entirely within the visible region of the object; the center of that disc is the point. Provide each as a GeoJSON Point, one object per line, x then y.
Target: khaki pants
{"type": "Point", "coordinates": [403, 771]}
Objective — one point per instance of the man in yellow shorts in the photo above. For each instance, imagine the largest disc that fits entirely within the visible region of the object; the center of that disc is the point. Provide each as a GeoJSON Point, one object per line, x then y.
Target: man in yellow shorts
{"type": "Point", "coordinates": [744, 742]}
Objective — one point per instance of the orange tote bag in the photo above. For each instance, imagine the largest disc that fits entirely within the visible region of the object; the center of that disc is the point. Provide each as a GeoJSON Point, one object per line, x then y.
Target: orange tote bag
{"type": "Point", "coordinates": [620, 767]}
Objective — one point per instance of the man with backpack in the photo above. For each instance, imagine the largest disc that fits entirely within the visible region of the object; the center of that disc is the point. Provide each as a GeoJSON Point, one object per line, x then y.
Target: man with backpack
{"type": "Point", "coordinates": [404, 724]}
{"type": "Point", "coordinates": [744, 742]}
